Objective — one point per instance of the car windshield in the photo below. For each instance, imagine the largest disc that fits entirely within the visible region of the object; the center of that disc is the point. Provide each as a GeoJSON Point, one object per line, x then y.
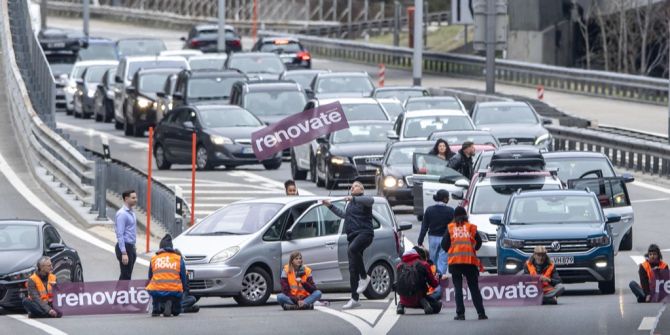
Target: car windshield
{"type": "Point", "coordinates": [237, 219]}
{"type": "Point", "coordinates": [493, 199]}
{"type": "Point", "coordinates": [95, 73]}
{"type": "Point", "coordinates": [257, 64]}
{"type": "Point", "coordinates": [288, 47]}
{"type": "Point", "coordinates": [434, 166]}
{"type": "Point", "coordinates": [213, 87]}
{"type": "Point", "coordinates": [275, 102]}
{"type": "Point", "coordinates": [227, 117]}
{"type": "Point", "coordinates": [399, 94]}
{"type": "Point", "coordinates": [433, 103]}
{"type": "Point", "coordinates": [133, 67]}
{"type": "Point", "coordinates": [505, 114]}
{"type": "Point", "coordinates": [393, 108]}
{"type": "Point", "coordinates": [403, 155]}
{"type": "Point", "coordinates": [152, 83]}
{"type": "Point", "coordinates": [303, 79]}
{"type": "Point", "coordinates": [98, 51]}
{"type": "Point", "coordinates": [454, 139]}
{"type": "Point", "coordinates": [362, 133]}
{"type": "Point", "coordinates": [350, 84]}
{"type": "Point", "coordinates": [207, 63]}
{"type": "Point", "coordinates": [573, 168]}
{"type": "Point", "coordinates": [422, 127]}
{"type": "Point", "coordinates": [148, 47]}
{"type": "Point", "coordinates": [18, 237]}
{"type": "Point", "coordinates": [358, 112]}
{"type": "Point", "coordinates": [554, 209]}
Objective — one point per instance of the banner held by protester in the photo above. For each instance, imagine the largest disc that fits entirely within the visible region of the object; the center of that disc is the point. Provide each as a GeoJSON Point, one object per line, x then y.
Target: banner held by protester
{"type": "Point", "coordinates": [498, 291]}
{"type": "Point", "coordinates": [103, 297]}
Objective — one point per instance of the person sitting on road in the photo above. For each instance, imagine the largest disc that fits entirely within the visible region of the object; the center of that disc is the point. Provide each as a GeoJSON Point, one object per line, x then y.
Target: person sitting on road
{"type": "Point", "coordinates": [167, 279]}
{"type": "Point", "coordinates": [540, 264]}
{"type": "Point", "coordinates": [414, 278]}
{"type": "Point", "coordinates": [647, 272]}
{"type": "Point", "coordinates": [38, 301]}
{"type": "Point", "coordinates": [297, 285]}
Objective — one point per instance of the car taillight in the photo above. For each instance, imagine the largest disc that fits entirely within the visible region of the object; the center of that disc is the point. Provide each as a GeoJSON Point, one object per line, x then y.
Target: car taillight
{"type": "Point", "coordinates": [195, 43]}
{"type": "Point", "coordinates": [304, 55]}
{"type": "Point", "coordinates": [235, 43]}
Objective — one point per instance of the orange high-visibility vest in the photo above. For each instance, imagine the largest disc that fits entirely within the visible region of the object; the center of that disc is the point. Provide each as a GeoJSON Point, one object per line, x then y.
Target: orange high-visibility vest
{"type": "Point", "coordinates": [548, 271]}
{"type": "Point", "coordinates": [297, 290]}
{"type": "Point", "coordinates": [46, 293]}
{"type": "Point", "coordinates": [462, 249]}
{"type": "Point", "coordinates": [650, 273]}
{"type": "Point", "coordinates": [433, 272]}
{"type": "Point", "coordinates": [165, 273]}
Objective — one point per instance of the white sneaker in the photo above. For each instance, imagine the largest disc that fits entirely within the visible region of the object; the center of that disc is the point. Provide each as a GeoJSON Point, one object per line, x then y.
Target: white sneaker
{"type": "Point", "coordinates": [351, 304]}
{"type": "Point", "coordinates": [363, 284]}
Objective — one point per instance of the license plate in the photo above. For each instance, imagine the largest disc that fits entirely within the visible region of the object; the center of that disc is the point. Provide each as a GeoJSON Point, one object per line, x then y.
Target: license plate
{"type": "Point", "coordinates": [563, 260]}
{"type": "Point", "coordinates": [57, 45]}
{"type": "Point", "coordinates": [189, 274]}
{"type": "Point", "coordinates": [247, 150]}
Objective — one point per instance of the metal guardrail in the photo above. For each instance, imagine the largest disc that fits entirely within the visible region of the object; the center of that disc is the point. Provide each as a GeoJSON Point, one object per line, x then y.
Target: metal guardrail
{"type": "Point", "coordinates": [633, 133]}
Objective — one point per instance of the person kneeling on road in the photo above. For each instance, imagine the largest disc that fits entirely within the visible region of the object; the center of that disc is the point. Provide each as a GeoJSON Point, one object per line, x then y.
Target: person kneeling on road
{"type": "Point", "coordinates": [414, 279]}
{"type": "Point", "coordinates": [540, 264]}
{"type": "Point", "coordinates": [297, 285]}
{"type": "Point", "coordinates": [38, 301]}
{"type": "Point", "coordinates": [167, 279]}
{"type": "Point", "coordinates": [647, 272]}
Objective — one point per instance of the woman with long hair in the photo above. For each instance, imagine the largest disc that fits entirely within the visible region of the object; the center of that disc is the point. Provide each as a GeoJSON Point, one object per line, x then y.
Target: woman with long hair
{"type": "Point", "coordinates": [441, 149]}
{"type": "Point", "coordinates": [297, 285]}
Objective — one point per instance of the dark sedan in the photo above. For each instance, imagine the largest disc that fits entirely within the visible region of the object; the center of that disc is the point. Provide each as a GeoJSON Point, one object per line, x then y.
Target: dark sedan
{"type": "Point", "coordinates": [223, 137]}
{"type": "Point", "coordinates": [55, 41]}
{"type": "Point", "coordinates": [103, 102]}
{"type": "Point", "coordinates": [193, 86]}
{"type": "Point", "coordinates": [22, 243]}
{"type": "Point", "coordinates": [351, 154]}
{"type": "Point", "coordinates": [204, 37]}
{"type": "Point", "coordinates": [142, 107]}
{"type": "Point", "coordinates": [394, 180]}
{"type": "Point", "coordinates": [289, 49]}
{"type": "Point", "coordinates": [87, 85]}
{"type": "Point", "coordinates": [513, 122]}
{"type": "Point", "coordinates": [257, 65]}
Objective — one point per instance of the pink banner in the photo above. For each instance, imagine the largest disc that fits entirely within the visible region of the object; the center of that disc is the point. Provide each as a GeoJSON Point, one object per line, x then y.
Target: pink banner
{"type": "Point", "coordinates": [660, 286]}
{"type": "Point", "coordinates": [104, 297]}
{"type": "Point", "coordinates": [498, 291]}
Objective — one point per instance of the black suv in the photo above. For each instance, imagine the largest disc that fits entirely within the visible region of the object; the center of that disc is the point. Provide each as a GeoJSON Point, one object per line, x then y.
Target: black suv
{"type": "Point", "coordinates": [289, 49]}
{"type": "Point", "coordinates": [141, 105]}
{"type": "Point", "coordinates": [204, 37]}
{"type": "Point", "coordinates": [192, 86]}
{"type": "Point", "coordinates": [269, 100]}
{"type": "Point", "coordinates": [56, 41]}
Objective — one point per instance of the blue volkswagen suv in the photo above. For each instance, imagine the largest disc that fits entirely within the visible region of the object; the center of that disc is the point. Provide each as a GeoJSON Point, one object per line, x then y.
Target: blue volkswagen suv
{"type": "Point", "coordinates": [570, 224]}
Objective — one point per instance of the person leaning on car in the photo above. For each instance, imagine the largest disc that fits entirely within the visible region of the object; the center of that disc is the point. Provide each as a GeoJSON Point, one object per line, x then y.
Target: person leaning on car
{"type": "Point", "coordinates": [38, 301]}
{"type": "Point", "coordinates": [462, 161]}
{"type": "Point", "coordinates": [647, 272]}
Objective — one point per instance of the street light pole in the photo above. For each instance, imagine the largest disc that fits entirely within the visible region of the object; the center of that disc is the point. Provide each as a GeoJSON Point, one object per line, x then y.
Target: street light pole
{"type": "Point", "coordinates": [86, 15]}
{"type": "Point", "coordinates": [490, 46]}
{"type": "Point", "coordinates": [417, 59]}
{"type": "Point", "coordinates": [221, 38]}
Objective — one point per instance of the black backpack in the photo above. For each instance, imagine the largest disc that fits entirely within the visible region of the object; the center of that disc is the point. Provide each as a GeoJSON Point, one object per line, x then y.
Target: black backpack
{"type": "Point", "coordinates": [410, 279]}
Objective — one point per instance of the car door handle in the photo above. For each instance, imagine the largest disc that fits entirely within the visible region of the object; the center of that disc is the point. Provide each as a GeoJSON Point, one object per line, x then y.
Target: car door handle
{"type": "Point", "coordinates": [331, 244]}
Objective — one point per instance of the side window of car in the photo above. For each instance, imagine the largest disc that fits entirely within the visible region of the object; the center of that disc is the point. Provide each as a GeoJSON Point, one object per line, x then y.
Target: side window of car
{"type": "Point", "coordinates": [331, 222]}
{"type": "Point", "coordinates": [50, 236]}
{"type": "Point", "coordinates": [308, 226]}
{"type": "Point", "coordinates": [382, 212]}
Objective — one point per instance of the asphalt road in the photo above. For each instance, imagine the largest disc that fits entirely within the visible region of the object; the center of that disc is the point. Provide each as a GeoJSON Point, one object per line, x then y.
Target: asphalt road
{"type": "Point", "coordinates": [582, 311]}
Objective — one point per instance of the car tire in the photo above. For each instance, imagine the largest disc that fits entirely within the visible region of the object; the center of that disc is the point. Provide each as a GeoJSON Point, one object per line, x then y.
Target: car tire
{"type": "Point", "coordinates": [608, 286]}
{"type": "Point", "coordinates": [382, 281]}
{"type": "Point", "coordinates": [161, 161]}
{"type": "Point", "coordinates": [229, 167]}
{"type": "Point", "coordinates": [118, 125]}
{"type": "Point", "coordinates": [272, 165]}
{"type": "Point", "coordinates": [138, 131]}
{"type": "Point", "coordinates": [296, 173]}
{"type": "Point", "coordinates": [627, 242]}
{"type": "Point", "coordinates": [78, 274]}
{"type": "Point", "coordinates": [127, 130]}
{"type": "Point", "coordinates": [202, 161]}
{"type": "Point", "coordinates": [68, 111]}
{"type": "Point", "coordinates": [76, 115]}
{"type": "Point", "coordinates": [256, 288]}
{"type": "Point", "coordinates": [98, 118]}
{"type": "Point", "coordinates": [329, 183]}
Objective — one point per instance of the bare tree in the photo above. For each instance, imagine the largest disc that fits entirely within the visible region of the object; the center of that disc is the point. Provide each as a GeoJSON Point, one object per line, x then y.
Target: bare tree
{"type": "Point", "coordinates": [603, 33]}
{"type": "Point", "coordinates": [583, 21]}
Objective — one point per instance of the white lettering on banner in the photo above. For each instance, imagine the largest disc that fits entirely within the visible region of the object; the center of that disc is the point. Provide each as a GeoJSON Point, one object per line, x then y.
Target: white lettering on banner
{"type": "Point", "coordinates": [326, 117]}
{"type": "Point", "coordinates": [164, 263]}
{"type": "Point", "coordinates": [99, 298]}
{"type": "Point", "coordinates": [665, 284]}
{"type": "Point", "coordinates": [460, 232]}
{"type": "Point", "coordinates": [519, 291]}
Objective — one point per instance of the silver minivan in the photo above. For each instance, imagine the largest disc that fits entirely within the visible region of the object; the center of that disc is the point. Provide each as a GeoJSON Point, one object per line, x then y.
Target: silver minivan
{"type": "Point", "coordinates": [238, 251]}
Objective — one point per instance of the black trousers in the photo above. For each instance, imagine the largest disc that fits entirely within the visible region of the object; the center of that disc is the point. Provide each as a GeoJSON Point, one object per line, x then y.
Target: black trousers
{"type": "Point", "coordinates": [471, 273]}
{"type": "Point", "coordinates": [126, 270]}
{"type": "Point", "coordinates": [638, 291]}
{"type": "Point", "coordinates": [357, 244]}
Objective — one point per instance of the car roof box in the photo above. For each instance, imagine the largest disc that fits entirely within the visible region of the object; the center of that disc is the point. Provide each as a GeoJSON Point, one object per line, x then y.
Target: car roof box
{"type": "Point", "coordinates": [510, 159]}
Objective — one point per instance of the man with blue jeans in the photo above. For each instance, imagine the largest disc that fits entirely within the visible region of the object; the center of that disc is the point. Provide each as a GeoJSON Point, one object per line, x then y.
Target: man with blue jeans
{"type": "Point", "coordinates": [125, 223]}
{"type": "Point", "coordinates": [435, 222]}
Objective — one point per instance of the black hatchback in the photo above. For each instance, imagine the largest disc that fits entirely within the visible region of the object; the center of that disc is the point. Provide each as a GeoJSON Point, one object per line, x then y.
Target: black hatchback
{"type": "Point", "coordinates": [204, 37]}
{"type": "Point", "coordinates": [22, 243]}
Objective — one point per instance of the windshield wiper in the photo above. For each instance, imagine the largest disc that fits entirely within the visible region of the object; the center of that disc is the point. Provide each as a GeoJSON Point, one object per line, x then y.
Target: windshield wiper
{"type": "Point", "coordinates": [517, 223]}
{"type": "Point", "coordinates": [220, 233]}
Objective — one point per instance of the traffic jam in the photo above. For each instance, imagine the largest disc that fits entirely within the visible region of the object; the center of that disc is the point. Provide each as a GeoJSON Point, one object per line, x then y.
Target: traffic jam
{"type": "Point", "coordinates": [392, 194]}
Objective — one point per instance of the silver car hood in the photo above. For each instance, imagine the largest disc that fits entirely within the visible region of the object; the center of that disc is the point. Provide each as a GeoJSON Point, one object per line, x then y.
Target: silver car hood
{"type": "Point", "coordinates": [208, 245]}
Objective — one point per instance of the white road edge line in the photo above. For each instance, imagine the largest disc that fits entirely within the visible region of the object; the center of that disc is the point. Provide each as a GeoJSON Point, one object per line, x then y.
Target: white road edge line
{"type": "Point", "coordinates": [649, 200]}
{"type": "Point", "coordinates": [39, 325]}
{"type": "Point", "coordinates": [651, 187]}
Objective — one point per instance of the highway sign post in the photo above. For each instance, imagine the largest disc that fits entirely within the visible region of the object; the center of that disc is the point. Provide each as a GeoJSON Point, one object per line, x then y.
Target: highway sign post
{"type": "Point", "coordinates": [221, 38]}
{"type": "Point", "coordinates": [490, 33]}
{"type": "Point", "coordinates": [417, 61]}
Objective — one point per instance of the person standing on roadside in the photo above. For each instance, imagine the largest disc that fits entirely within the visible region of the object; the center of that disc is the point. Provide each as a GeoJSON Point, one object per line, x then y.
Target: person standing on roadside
{"type": "Point", "coordinates": [358, 227]}
{"type": "Point", "coordinates": [38, 301]}
{"type": "Point", "coordinates": [290, 187]}
{"type": "Point", "coordinates": [435, 221]}
{"type": "Point", "coordinates": [462, 161]}
{"type": "Point", "coordinates": [125, 223]}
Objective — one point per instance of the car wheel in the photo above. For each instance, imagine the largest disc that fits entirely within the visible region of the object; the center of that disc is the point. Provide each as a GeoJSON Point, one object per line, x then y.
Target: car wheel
{"type": "Point", "coordinates": [118, 125]}
{"type": "Point", "coordinates": [98, 118]}
{"type": "Point", "coordinates": [627, 242]}
{"type": "Point", "coordinates": [272, 165]}
{"type": "Point", "coordinates": [230, 167]}
{"type": "Point", "coordinates": [255, 288]}
{"type": "Point", "coordinates": [608, 286]}
{"type": "Point", "coordinates": [68, 111]}
{"type": "Point", "coordinates": [381, 281]}
{"type": "Point", "coordinates": [161, 161]}
{"type": "Point", "coordinates": [202, 159]}
{"type": "Point", "coordinates": [78, 274]}
{"type": "Point", "coordinates": [296, 173]}
{"type": "Point", "coordinates": [138, 131]}
{"type": "Point", "coordinates": [76, 115]}
{"type": "Point", "coordinates": [312, 168]}
{"type": "Point", "coordinates": [127, 130]}
{"type": "Point", "coordinates": [328, 182]}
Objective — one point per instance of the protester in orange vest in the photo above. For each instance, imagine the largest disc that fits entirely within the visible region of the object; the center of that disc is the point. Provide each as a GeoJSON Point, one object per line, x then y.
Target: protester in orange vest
{"type": "Point", "coordinates": [647, 272]}
{"type": "Point", "coordinates": [297, 285]}
{"type": "Point", "coordinates": [38, 301]}
{"type": "Point", "coordinates": [461, 242]}
{"type": "Point", "coordinates": [167, 279]}
{"type": "Point", "coordinates": [540, 265]}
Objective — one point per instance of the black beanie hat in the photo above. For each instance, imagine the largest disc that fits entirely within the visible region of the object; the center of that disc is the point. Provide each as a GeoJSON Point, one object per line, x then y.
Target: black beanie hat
{"type": "Point", "coordinates": [460, 211]}
{"type": "Point", "coordinates": [166, 242]}
{"type": "Point", "coordinates": [441, 195]}
{"type": "Point", "coordinates": [656, 249]}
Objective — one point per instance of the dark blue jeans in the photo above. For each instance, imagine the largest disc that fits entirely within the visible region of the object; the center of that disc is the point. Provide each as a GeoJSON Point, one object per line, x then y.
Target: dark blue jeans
{"type": "Point", "coordinates": [158, 303]}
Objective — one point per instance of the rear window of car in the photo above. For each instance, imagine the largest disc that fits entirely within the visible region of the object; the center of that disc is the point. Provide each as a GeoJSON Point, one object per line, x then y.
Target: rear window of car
{"type": "Point", "coordinates": [148, 47]}
{"type": "Point", "coordinates": [358, 112]}
{"type": "Point", "coordinates": [493, 199]}
{"type": "Point", "coordinates": [133, 67]}
{"type": "Point", "coordinates": [288, 47]}
{"type": "Point", "coordinates": [573, 168]}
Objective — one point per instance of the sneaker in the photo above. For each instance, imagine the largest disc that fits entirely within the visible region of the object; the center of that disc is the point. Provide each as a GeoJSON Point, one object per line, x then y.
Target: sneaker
{"type": "Point", "coordinates": [459, 317]}
{"type": "Point", "coordinates": [288, 307]}
{"type": "Point", "coordinates": [483, 317]}
{"type": "Point", "coordinates": [400, 310]}
{"type": "Point", "coordinates": [363, 284]}
{"type": "Point", "coordinates": [427, 308]}
{"type": "Point", "coordinates": [351, 304]}
{"type": "Point", "coordinates": [322, 303]}
{"type": "Point", "coordinates": [307, 307]}
{"type": "Point", "coordinates": [167, 308]}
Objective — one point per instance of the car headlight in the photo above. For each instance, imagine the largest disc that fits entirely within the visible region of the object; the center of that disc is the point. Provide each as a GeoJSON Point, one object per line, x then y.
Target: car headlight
{"type": "Point", "coordinates": [512, 243]}
{"type": "Point", "coordinates": [169, 105]}
{"type": "Point", "coordinates": [20, 275]}
{"type": "Point", "coordinates": [225, 254]}
{"type": "Point", "coordinates": [219, 140]}
{"type": "Point", "coordinates": [542, 140]}
{"type": "Point", "coordinates": [338, 160]}
{"type": "Point", "coordinates": [71, 88]}
{"type": "Point", "coordinates": [110, 94]}
{"type": "Point", "coordinates": [390, 181]}
{"type": "Point", "coordinates": [599, 241]}
{"type": "Point", "coordinates": [91, 92]}
{"type": "Point", "coordinates": [144, 102]}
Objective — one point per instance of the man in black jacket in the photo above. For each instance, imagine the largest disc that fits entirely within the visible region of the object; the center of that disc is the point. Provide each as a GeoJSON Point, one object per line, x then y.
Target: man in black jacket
{"type": "Point", "coordinates": [358, 227]}
{"type": "Point", "coordinates": [462, 161]}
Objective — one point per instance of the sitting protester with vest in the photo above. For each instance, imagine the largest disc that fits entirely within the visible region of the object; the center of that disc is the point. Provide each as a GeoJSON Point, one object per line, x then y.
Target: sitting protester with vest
{"type": "Point", "coordinates": [415, 278]}
{"type": "Point", "coordinates": [297, 285]}
{"type": "Point", "coordinates": [539, 264]}
{"type": "Point", "coordinates": [167, 279]}
{"type": "Point", "coordinates": [647, 272]}
{"type": "Point", "coordinates": [38, 301]}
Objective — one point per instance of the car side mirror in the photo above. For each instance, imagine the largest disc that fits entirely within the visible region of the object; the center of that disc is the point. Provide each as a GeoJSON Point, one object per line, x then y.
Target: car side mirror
{"type": "Point", "coordinates": [627, 178]}
{"type": "Point", "coordinates": [80, 81]}
{"type": "Point", "coordinates": [496, 220]}
{"type": "Point", "coordinates": [289, 234]}
{"type": "Point", "coordinates": [613, 218]}
{"type": "Point", "coordinates": [546, 121]}
{"type": "Point", "coordinates": [56, 247]}
{"type": "Point", "coordinates": [118, 79]}
{"type": "Point", "coordinates": [392, 135]}
{"type": "Point", "coordinates": [177, 95]}
{"type": "Point", "coordinates": [188, 125]}
{"type": "Point", "coordinates": [100, 86]}
{"type": "Point", "coordinates": [130, 90]}
{"type": "Point", "coordinates": [160, 94]}
{"type": "Point", "coordinates": [462, 183]}
{"type": "Point", "coordinates": [404, 226]}
{"type": "Point", "coordinates": [457, 195]}
{"type": "Point", "coordinates": [309, 93]}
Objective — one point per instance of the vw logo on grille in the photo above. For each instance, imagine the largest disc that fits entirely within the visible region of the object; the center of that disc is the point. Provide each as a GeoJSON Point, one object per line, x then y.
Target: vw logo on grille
{"type": "Point", "coordinates": [556, 246]}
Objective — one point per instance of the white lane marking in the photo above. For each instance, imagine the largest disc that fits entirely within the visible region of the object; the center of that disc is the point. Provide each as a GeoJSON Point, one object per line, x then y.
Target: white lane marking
{"type": "Point", "coordinates": [60, 221]}
{"type": "Point", "coordinates": [651, 187]}
{"type": "Point", "coordinates": [649, 200]}
{"type": "Point", "coordinates": [368, 315]}
{"type": "Point", "coordinates": [93, 132]}
{"type": "Point", "coordinates": [39, 325]}
{"type": "Point", "coordinates": [638, 259]}
{"type": "Point", "coordinates": [647, 323]}
{"type": "Point", "coordinates": [255, 177]}
{"type": "Point", "coordinates": [652, 331]}
{"type": "Point", "coordinates": [188, 196]}
{"type": "Point", "coordinates": [362, 327]}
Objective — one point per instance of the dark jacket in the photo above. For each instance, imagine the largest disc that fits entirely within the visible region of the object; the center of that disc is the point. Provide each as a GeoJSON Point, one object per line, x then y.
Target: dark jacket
{"type": "Point", "coordinates": [644, 280]}
{"type": "Point", "coordinates": [182, 276]}
{"type": "Point", "coordinates": [462, 163]}
{"type": "Point", "coordinates": [309, 285]}
{"type": "Point", "coordinates": [413, 301]}
{"type": "Point", "coordinates": [435, 221]}
{"type": "Point", "coordinates": [357, 215]}
{"type": "Point", "coordinates": [555, 278]}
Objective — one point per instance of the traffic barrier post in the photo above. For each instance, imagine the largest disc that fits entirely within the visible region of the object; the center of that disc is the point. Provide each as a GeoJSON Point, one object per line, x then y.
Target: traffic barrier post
{"type": "Point", "coordinates": [193, 153]}
{"type": "Point", "coordinates": [540, 92]}
{"type": "Point", "coordinates": [382, 74]}
{"type": "Point", "coordinates": [151, 144]}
